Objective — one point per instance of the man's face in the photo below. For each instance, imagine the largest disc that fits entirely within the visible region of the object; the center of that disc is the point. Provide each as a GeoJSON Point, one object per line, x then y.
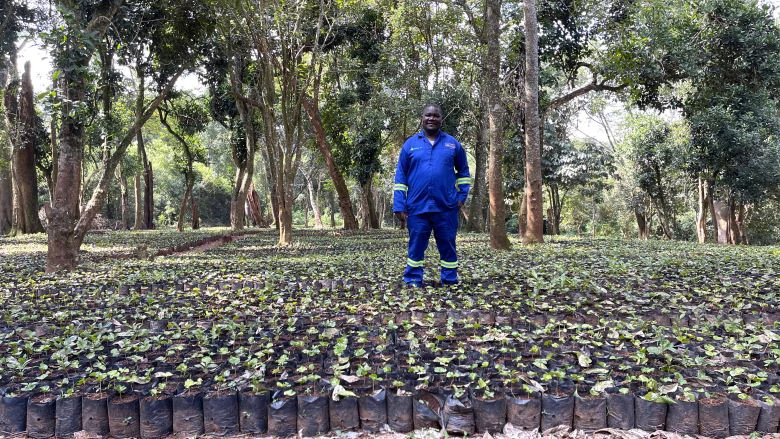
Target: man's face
{"type": "Point", "coordinates": [431, 119]}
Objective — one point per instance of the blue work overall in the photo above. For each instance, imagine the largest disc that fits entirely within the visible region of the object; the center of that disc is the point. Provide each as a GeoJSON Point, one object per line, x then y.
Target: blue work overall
{"type": "Point", "coordinates": [431, 181]}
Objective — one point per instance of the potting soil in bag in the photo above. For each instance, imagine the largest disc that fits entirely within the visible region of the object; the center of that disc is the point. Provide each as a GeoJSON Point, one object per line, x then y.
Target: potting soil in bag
{"type": "Point", "coordinates": [620, 411]}
{"type": "Point", "coordinates": [489, 415]}
{"type": "Point", "coordinates": [313, 417]}
{"type": "Point", "coordinates": [427, 410]}
{"type": "Point", "coordinates": [344, 414]}
{"type": "Point", "coordinates": [650, 415]}
{"type": "Point", "coordinates": [283, 417]}
{"type": "Point", "coordinates": [400, 412]}
{"type": "Point", "coordinates": [525, 413]}
{"type": "Point", "coordinates": [769, 419]}
{"type": "Point", "coordinates": [156, 417]}
{"type": "Point", "coordinates": [124, 418]}
{"type": "Point", "coordinates": [253, 412]}
{"type": "Point", "coordinates": [188, 414]}
{"type": "Point", "coordinates": [743, 416]}
{"type": "Point", "coordinates": [458, 416]}
{"type": "Point", "coordinates": [94, 415]}
{"type": "Point", "coordinates": [683, 417]}
{"type": "Point", "coordinates": [590, 413]}
{"type": "Point", "coordinates": [41, 418]}
{"type": "Point", "coordinates": [13, 414]}
{"type": "Point", "coordinates": [220, 414]}
{"type": "Point", "coordinates": [68, 416]}
{"type": "Point", "coordinates": [557, 410]}
{"type": "Point", "coordinates": [372, 410]}
{"type": "Point", "coordinates": [714, 417]}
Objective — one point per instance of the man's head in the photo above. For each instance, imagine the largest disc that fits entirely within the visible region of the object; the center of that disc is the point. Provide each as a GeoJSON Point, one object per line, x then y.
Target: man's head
{"type": "Point", "coordinates": [431, 119]}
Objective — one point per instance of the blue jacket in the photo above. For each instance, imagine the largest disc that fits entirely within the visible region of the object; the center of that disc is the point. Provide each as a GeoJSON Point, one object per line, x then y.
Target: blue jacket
{"type": "Point", "coordinates": [430, 178]}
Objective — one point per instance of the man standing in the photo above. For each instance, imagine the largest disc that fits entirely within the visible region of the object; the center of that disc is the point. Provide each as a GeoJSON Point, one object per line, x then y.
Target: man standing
{"type": "Point", "coordinates": [432, 182]}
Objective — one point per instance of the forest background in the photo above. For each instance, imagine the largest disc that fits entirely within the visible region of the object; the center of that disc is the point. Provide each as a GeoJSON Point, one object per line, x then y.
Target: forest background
{"type": "Point", "coordinates": [620, 118]}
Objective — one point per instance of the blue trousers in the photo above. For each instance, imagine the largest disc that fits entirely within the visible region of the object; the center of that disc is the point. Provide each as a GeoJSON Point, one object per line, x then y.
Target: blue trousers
{"type": "Point", "coordinates": [445, 227]}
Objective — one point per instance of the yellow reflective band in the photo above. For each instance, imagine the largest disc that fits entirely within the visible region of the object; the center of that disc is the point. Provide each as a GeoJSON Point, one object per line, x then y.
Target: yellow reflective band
{"type": "Point", "coordinates": [446, 264]}
{"type": "Point", "coordinates": [412, 263]}
{"type": "Point", "coordinates": [400, 187]}
{"type": "Point", "coordinates": [464, 180]}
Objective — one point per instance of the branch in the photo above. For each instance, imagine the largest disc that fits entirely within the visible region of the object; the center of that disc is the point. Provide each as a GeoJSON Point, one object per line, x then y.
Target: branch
{"type": "Point", "coordinates": [99, 194]}
{"type": "Point", "coordinates": [100, 24]}
{"type": "Point", "coordinates": [593, 85]}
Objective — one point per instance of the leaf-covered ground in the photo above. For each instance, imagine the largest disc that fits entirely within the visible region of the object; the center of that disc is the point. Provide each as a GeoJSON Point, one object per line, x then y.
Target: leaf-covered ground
{"type": "Point", "coordinates": [662, 320]}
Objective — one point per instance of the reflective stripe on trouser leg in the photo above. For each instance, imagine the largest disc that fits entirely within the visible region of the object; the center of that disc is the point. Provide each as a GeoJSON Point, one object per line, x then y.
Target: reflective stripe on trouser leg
{"type": "Point", "coordinates": [419, 227]}
{"type": "Point", "coordinates": [445, 229]}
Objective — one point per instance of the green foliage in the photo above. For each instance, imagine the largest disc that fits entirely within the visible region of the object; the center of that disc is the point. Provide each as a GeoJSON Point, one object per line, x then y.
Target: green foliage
{"type": "Point", "coordinates": [733, 107]}
{"type": "Point", "coordinates": [655, 155]}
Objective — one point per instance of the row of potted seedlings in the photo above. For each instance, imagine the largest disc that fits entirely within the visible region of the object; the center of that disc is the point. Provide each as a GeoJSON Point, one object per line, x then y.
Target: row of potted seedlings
{"type": "Point", "coordinates": [207, 298]}
{"type": "Point", "coordinates": [452, 363]}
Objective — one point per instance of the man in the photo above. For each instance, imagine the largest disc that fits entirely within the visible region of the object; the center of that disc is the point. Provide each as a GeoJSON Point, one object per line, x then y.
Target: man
{"type": "Point", "coordinates": [432, 182]}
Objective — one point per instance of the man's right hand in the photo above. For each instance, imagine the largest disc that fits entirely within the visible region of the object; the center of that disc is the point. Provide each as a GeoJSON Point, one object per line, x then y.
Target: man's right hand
{"type": "Point", "coordinates": [402, 216]}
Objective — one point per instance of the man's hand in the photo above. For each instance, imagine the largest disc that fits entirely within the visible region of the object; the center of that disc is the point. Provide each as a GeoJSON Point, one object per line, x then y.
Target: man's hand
{"type": "Point", "coordinates": [402, 216]}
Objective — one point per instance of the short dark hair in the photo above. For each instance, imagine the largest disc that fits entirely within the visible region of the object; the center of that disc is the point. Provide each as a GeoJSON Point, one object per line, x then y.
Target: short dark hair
{"type": "Point", "coordinates": [436, 106]}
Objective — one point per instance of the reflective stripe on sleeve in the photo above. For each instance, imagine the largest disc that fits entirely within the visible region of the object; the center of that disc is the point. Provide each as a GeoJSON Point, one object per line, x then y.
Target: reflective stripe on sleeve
{"type": "Point", "coordinates": [464, 180]}
{"type": "Point", "coordinates": [400, 187]}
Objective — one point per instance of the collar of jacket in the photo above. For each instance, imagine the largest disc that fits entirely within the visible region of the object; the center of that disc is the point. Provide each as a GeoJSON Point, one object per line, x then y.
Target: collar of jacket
{"type": "Point", "coordinates": [421, 134]}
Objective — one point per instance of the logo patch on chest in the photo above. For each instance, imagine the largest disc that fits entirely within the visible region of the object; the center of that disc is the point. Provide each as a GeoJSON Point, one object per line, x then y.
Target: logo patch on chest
{"type": "Point", "coordinates": [449, 145]}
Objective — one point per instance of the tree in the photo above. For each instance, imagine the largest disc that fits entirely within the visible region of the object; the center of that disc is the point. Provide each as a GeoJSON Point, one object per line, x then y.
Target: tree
{"type": "Point", "coordinates": [84, 26]}
{"type": "Point", "coordinates": [18, 127]}
{"type": "Point", "coordinates": [25, 133]}
{"type": "Point", "coordinates": [657, 150]}
{"type": "Point", "coordinates": [533, 159]}
{"type": "Point", "coordinates": [733, 112]}
{"type": "Point", "coordinates": [191, 118]}
{"type": "Point", "coordinates": [496, 114]}
{"type": "Point", "coordinates": [283, 37]}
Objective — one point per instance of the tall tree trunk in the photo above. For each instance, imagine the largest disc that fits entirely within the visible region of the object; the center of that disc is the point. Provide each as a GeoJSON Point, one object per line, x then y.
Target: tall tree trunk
{"type": "Point", "coordinates": [20, 111]}
{"type": "Point", "coordinates": [195, 214]}
{"type": "Point", "coordinates": [144, 209]}
{"type": "Point", "coordinates": [497, 216]}
{"type": "Point", "coordinates": [189, 176]}
{"type": "Point", "coordinates": [722, 217]}
{"type": "Point", "coordinates": [270, 175]}
{"type": "Point", "coordinates": [255, 211]}
{"type": "Point", "coordinates": [332, 200]}
{"type": "Point", "coordinates": [369, 205]}
{"type": "Point", "coordinates": [148, 194]}
{"type": "Point", "coordinates": [245, 163]}
{"type": "Point", "coordinates": [554, 212]}
{"type": "Point", "coordinates": [315, 208]}
{"type": "Point", "coordinates": [663, 219]}
{"type": "Point", "coordinates": [533, 153]}
{"type": "Point", "coordinates": [476, 222]}
{"type": "Point", "coordinates": [305, 214]}
{"type": "Point", "coordinates": [701, 214]}
{"type": "Point", "coordinates": [713, 213]}
{"type": "Point", "coordinates": [122, 179]}
{"type": "Point", "coordinates": [6, 186]}
{"type": "Point", "coordinates": [63, 243]}
{"type": "Point", "coordinates": [6, 197]}
{"type": "Point", "coordinates": [138, 224]}
{"type": "Point", "coordinates": [522, 216]}
{"type": "Point", "coordinates": [345, 205]}
{"type": "Point", "coordinates": [641, 223]}
{"type": "Point", "coordinates": [741, 218]}
{"type": "Point", "coordinates": [734, 232]}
